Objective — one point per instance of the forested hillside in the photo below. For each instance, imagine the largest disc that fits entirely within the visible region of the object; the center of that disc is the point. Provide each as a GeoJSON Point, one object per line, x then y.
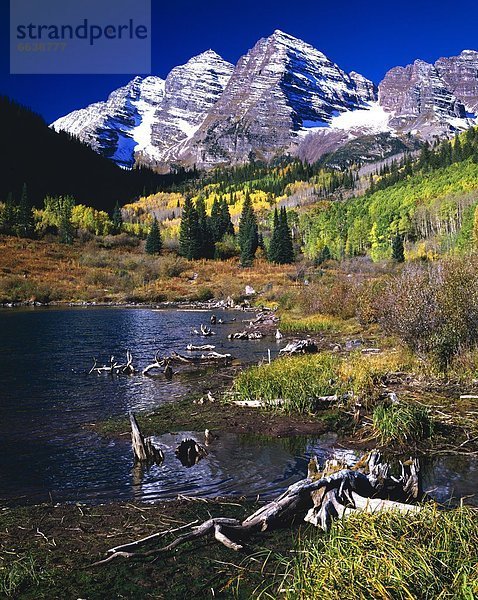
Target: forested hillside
{"type": "Point", "coordinates": [429, 204]}
{"type": "Point", "coordinates": [51, 163]}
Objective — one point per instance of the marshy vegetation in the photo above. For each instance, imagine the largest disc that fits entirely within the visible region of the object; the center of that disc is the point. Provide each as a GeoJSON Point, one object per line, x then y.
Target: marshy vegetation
{"type": "Point", "coordinates": [430, 554]}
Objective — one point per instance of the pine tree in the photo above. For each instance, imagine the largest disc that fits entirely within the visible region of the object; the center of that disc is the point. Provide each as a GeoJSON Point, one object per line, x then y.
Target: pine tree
{"type": "Point", "coordinates": [206, 241]}
{"type": "Point", "coordinates": [227, 227]}
{"type": "Point", "coordinates": [398, 251]}
{"type": "Point", "coordinates": [286, 246]}
{"type": "Point", "coordinates": [273, 252]}
{"type": "Point", "coordinates": [189, 234]}
{"type": "Point", "coordinates": [216, 225]}
{"type": "Point", "coordinates": [9, 215]}
{"type": "Point", "coordinates": [24, 221]}
{"type": "Point", "coordinates": [154, 243]}
{"type": "Point", "coordinates": [248, 232]}
{"type": "Point", "coordinates": [117, 219]}
{"type": "Point", "coordinates": [457, 151]}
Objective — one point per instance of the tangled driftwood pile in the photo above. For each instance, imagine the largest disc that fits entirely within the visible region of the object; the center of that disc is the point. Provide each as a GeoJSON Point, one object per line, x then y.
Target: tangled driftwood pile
{"type": "Point", "coordinates": [325, 495]}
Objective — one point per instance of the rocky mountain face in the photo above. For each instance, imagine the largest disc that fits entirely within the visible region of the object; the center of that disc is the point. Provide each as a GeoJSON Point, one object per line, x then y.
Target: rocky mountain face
{"type": "Point", "coordinates": [190, 92]}
{"type": "Point", "coordinates": [420, 101]}
{"type": "Point", "coordinates": [147, 119]}
{"type": "Point", "coordinates": [279, 87]}
{"type": "Point", "coordinates": [109, 127]}
{"type": "Point", "coordinates": [283, 96]}
{"type": "Point", "coordinates": [460, 73]}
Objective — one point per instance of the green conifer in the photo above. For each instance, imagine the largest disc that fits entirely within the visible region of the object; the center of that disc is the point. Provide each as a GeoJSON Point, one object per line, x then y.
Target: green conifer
{"type": "Point", "coordinates": [273, 251]}
{"type": "Point", "coordinates": [206, 241]}
{"type": "Point", "coordinates": [189, 234]}
{"type": "Point", "coordinates": [398, 251]}
{"type": "Point", "coordinates": [248, 232]}
{"type": "Point", "coordinates": [154, 243]}
{"type": "Point", "coordinates": [24, 218]}
{"type": "Point", "coordinates": [117, 219]}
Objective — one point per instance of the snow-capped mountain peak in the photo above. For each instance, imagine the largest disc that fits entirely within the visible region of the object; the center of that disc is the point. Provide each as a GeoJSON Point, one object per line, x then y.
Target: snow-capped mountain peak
{"type": "Point", "coordinates": [283, 95]}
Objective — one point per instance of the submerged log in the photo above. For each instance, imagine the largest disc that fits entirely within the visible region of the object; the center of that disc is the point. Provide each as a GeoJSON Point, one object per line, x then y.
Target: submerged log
{"type": "Point", "coordinates": [144, 450]}
{"type": "Point", "coordinates": [319, 498]}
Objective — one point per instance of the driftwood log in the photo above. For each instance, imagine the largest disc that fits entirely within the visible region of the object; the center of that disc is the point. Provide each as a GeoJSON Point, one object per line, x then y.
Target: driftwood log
{"type": "Point", "coordinates": [322, 497]}
{"type": "Point", "coordinates": [246, 335]}
{"type": "Point", "coordinates": [179, 359]}
{"type": "Point", "coordinates": [115, 368]}
{"type": "Point", "coordinates": [201, 348]}
{"type": "Point", "coordinates": [300, 347]}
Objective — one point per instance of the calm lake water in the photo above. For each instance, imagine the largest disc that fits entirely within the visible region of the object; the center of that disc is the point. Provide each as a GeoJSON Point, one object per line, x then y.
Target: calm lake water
{"type": "Point", "coordinates": [47, 398]}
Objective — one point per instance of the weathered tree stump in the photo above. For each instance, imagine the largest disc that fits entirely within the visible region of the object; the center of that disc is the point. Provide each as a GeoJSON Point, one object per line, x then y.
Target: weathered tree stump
{"type": "Point", "coordinates": [144, 450]}
{"type": "Point", "coordinates": [190, 452]}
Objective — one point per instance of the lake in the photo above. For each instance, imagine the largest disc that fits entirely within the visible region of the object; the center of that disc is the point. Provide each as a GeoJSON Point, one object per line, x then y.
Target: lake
{"type": "Point", "coordinates": [47, 401]}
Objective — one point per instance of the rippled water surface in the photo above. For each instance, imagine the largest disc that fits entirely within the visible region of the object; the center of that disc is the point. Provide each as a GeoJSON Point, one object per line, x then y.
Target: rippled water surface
{"type": "Point", "coordinates": [47, 398]}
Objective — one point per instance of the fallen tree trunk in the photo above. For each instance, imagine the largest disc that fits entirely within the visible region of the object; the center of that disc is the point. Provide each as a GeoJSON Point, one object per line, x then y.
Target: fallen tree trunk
{"type": "Point", "coordinates": [179, 359]}
{"type": "Point", "coordinates": [319, 498]}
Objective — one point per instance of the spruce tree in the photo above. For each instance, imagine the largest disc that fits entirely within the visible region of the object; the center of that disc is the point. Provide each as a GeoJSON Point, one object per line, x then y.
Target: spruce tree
{"type": "Point", "coordinates": [24, 221]}
{"type": "Point", "coordinates": [273, 252]}
{"type": "Point", "coordinates": [286, 246]}
{"type": "Point", "coordinates": [398, 251]}
{"type": "Point", "coordinates": [206, 241]}
{"type": "Point", "coordinates": [117, 219]}
{"type": "Point", "coordinates": [216, 220]}
{"type": "Point", "coordinates": [248, 233]}
{"type": "Point", "coordinates": [154, 243]}
{"type": "Point", "coordinates": [9, 215]}
{"type": "Point", "coordinates": [189, 234]}
{"type": "Point", "coordinates": [227, 227]}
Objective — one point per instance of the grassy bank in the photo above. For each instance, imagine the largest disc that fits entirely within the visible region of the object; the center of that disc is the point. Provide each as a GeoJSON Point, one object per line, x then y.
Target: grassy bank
{"type": "Point", "coordinates": [183, 415]}
{"type": "Point", "coordinates": [45, 553]}
{"type": "Point", "coordinates": [114, 271]}
{"type": "Point", "coordinates": [429, 555]}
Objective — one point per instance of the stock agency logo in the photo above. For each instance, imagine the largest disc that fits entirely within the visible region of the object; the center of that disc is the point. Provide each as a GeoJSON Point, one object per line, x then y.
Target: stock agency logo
{"type": "Point", "coordinates": [80, 36]}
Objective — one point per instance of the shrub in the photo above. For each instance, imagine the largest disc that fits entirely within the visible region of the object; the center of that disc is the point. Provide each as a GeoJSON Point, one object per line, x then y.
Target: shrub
{"type": "Point", "coordinates": [122, 240]}
{"type": "Point", "coordinates": [434, 308]}
{"type": "Point", "coordinates": [172, 266]}
{"type": "Point", "coordinates": [14, 288]}
{"type": "Point", "coordinates": [202, 295]}
{"type": "Point", "coordinates": [227, 248]}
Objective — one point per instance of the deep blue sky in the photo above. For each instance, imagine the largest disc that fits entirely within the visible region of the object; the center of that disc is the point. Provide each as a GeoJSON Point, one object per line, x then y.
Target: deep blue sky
{"type": "Point", "coordinates": [366, 36]}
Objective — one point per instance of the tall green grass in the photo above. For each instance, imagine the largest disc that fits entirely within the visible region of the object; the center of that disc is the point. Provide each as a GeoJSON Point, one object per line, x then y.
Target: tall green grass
{"type": "Point", "coordinates": [311, 324]}
{"type": "Point", "coordinates": [430, 555]}
{"type": "Point", "coordinates": [22, 572]}
{"type": "Point", "coordinates": [300, 380]}
{"type": "Point", "coordinates": [296, 380]}
{"type": "Point", "coordinates": [401, 423]}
